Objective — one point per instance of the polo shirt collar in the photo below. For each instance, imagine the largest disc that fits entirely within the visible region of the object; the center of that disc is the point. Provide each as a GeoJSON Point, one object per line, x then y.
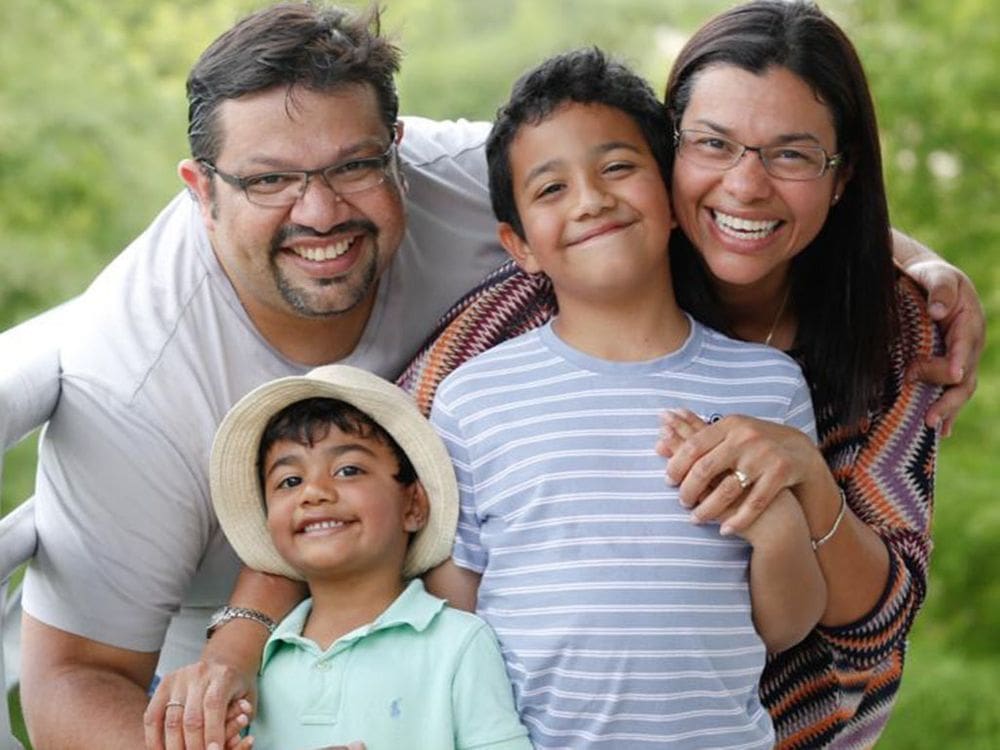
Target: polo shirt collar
{"type": "Point", "coordinates": [414, 608]}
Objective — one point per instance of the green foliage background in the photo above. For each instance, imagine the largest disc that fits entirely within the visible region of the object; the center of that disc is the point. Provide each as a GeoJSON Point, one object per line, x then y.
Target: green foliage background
{"type": "Point", "coordinates": [92, 122]}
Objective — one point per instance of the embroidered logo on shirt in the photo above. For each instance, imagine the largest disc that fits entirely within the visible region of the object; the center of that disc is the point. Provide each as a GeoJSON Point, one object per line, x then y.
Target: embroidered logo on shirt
{"type": "Point", "coordinates": [395, 711]}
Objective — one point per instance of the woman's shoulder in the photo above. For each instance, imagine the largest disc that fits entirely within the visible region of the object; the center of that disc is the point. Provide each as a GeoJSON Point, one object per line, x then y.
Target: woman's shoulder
{"type": "Point", "coordinates": [918, 335]}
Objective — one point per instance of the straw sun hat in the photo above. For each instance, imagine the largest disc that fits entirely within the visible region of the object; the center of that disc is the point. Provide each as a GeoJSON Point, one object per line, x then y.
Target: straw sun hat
{"type": "Point", "coordinates": [236, 491]}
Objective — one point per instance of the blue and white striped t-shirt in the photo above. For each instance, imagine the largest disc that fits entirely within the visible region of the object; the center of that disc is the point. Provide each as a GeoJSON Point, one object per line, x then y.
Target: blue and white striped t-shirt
{"type": "Point", "coordinates": [622, 623]}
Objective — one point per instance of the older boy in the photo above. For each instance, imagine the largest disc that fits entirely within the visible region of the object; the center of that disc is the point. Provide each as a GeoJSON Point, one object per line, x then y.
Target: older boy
{"type": "Point", "coordinates": [335, 477]}
{"type": "Point", "coordinates": [623, 624]}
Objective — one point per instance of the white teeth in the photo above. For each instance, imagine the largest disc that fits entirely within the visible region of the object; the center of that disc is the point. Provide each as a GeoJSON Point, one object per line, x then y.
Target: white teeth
{"type": "Point", "coordinates": [734, 226]}
{"type": "Point", "coordinates": [329, 252]}
{"type": "Point", "coordinates": [321, 525]}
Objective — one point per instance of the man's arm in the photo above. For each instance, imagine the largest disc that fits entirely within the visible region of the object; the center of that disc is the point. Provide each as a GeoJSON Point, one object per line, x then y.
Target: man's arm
{"type": "Point", "coordinates": [226, 672]}
{"type": "Point", "coordinates": [953, 302]}
{"type": "Point", "coordinates": [787, 589]}
{"type": "Point", "coordinates": [106, 686]}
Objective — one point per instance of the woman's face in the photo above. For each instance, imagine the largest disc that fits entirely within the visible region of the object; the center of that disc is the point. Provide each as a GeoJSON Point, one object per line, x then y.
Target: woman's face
{"type": "Point", "coordinates": [746, 224]}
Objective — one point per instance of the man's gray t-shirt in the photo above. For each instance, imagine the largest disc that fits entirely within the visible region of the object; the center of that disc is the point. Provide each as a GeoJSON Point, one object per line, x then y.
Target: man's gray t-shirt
{"type": "Point", "coordinates": [160, 349]}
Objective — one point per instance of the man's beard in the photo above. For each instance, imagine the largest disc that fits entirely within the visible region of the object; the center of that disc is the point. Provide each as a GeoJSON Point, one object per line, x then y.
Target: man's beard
{"type": "Point", "coordinates": [351, 293]}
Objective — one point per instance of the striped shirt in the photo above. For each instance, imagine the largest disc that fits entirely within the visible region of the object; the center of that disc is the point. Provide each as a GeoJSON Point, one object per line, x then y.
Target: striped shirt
{"type": "Point", "coordinates": [622, 623]}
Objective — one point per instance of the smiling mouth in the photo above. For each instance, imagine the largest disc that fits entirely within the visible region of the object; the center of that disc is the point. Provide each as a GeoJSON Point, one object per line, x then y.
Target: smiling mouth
{"type": "Point", "coordinates": [599, 232]}
{"type": "Point", "coordinates": [324, 252]}
{"type": "Point", "coordinates": [320, 526]}
{"type": "Point", "coordinates": [744, 229]}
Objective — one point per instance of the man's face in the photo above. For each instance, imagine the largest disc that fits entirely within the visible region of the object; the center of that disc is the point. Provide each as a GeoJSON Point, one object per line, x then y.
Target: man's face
{"type": "Point", "coordinates": [322, 255]}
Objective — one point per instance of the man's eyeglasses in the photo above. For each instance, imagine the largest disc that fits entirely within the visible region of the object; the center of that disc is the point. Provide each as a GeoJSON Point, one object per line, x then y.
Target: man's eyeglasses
{"type": "Point", "coordinates": [782, 162]}
{"type": "Point", "coordinates": [282, 189]}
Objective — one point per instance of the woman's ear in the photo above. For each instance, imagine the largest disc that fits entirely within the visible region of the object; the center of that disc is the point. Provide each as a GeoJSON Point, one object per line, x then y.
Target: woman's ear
{"type": "Point", "coordinates": [418, 508]}
{"type": "Point", "coordinates": [517, 248]}
{"type": "Point", "coordinates": [844, 175]}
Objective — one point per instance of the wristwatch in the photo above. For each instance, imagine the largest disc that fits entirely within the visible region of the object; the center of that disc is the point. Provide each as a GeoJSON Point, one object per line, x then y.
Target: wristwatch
{"type": "Point", "coordinates": [224, 614]}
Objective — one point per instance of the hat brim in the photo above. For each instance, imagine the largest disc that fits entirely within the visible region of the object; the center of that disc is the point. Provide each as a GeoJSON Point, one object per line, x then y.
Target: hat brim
{"type": "Point", "coordinates": [236, 490]}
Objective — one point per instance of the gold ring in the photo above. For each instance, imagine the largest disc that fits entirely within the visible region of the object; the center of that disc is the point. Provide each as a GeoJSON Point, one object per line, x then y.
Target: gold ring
{"type": "Point", "coordinates": [742, 478]}
{"type": "Point", "coordinates": [173, 703]}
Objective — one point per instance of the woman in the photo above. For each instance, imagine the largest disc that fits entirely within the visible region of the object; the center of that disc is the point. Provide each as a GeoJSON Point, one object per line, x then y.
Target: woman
{"type": "Point", "coordinates": [787, 241]}
{"type": "Point", "coordinates": [838, 685]}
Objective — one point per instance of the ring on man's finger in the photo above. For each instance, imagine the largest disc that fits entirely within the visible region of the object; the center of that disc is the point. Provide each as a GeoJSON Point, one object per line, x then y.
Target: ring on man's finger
{"type": "Point", "coordinates": [742, 478]}
{"type": "Point", "coordinates": [173, 703]}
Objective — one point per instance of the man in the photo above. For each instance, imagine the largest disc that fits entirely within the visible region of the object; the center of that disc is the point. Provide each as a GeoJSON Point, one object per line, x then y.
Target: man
{"type": "Point", "coordinates": [303, 255]}
{"type": "Point", "coordinates": [266, 272]}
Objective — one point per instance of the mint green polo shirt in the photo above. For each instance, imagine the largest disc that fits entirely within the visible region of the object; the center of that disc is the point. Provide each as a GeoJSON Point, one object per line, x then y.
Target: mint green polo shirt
{"type": "Point", "coordinates": [422, 676]}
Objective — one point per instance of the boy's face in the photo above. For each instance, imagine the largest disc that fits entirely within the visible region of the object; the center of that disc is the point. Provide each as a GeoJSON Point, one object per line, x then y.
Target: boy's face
{"type": "Point", "coordinates": [336, 510]}
{"type": "Point", "coordinates": [593, 204]}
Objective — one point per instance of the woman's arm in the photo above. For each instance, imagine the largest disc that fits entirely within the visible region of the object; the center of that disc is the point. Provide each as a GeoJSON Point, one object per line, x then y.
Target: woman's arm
{"type": "Point", "coordinates": [775, 458]}
{"type": "Point", "coordinates": [887, 472]}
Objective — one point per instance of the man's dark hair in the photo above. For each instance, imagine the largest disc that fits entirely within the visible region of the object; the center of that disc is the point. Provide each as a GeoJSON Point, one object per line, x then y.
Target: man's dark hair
{"type": "Point", "coordinates": [289, 45]}
{"type": "Point", "coordinates": [583, 76]}
{"type": "Point", "coordinates": [843, 283]}
{"type": "Point", "coordinates": [309, 421]}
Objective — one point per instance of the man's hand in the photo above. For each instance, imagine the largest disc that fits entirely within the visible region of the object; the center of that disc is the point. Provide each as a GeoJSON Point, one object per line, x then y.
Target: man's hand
{"type": "Point", "coordinates": [952, 302]}
{"type": "Point", "coordinates": [190, 708]}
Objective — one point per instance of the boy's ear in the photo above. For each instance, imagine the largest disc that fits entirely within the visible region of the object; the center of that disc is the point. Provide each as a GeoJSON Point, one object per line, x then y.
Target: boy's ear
{"type": "Point", "coordinates": [416, 513]}
{"type": "Point", "coordinates": [517, 248]}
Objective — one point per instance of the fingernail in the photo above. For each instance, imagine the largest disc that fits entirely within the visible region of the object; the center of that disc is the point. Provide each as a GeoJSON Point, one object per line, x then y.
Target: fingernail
{"type": "Point", "coordinates": [213, 746]}
{"type": "Point", "coordinates": [938, 310]}
{"type": "Point", "coordinates": [725, 529]}
{"type": "Point", "coordinates": [694, 518]}
{"type": "Point", "coordinates": [935, 424]}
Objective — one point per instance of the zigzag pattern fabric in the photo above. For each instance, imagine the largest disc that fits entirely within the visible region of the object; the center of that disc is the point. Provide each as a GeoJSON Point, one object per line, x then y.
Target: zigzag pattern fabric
{"type": "Point", "coordinates": [836, 689]}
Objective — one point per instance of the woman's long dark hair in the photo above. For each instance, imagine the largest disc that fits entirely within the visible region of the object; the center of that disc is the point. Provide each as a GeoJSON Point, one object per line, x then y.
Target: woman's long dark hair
{"type": "Point", "coordinates": [843, 283]}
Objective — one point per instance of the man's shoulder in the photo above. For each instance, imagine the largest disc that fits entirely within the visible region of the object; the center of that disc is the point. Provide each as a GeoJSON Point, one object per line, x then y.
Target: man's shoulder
{"type": "Point", "coordinates": [426, 142]}
{"type": "Point", "coordinates": [142, 301]}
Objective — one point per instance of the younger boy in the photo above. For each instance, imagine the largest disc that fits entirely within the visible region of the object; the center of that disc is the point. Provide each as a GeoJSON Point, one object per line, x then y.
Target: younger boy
{"type": "Point", "coordinates": [623, 624]}
{"type": "Point", "coordinates": [335, 477]}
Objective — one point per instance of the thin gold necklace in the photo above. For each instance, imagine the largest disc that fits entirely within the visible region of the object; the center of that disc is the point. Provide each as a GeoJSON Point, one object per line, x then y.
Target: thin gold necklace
{"type": "Point", "coordinates": [781, 311]}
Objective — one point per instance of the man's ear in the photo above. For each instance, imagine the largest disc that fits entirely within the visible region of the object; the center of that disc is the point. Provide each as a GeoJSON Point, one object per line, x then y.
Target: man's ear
{"type": "Point", "coordinates": [517, 248]}
{"type": "Point", "coordinates": [418, 510]}
{"type": "Point", "coordinates": [200, 184]}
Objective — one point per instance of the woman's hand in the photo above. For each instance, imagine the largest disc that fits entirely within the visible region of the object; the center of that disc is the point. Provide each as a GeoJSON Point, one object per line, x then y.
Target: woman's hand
{"type": "Point", "coordinates": [733, 469]}
{"type": "Point", "coordinates": [952, 301]}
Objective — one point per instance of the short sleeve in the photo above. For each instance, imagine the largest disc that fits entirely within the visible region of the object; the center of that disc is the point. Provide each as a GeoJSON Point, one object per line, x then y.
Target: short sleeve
{"type": "Point", "coordinates": [468, 551]}
{"type": "Point", "coordinates": [483, 701]}
{"type": "Point", "coordinates": [122, 523]}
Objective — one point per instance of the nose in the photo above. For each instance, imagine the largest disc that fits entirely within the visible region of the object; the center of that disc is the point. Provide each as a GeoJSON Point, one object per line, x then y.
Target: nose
{"type": "Point", "coordinates": [319, 207]}
{"type": "Point", "coordinates": [748, 180]}
{"type": "Point", "coordinates": [316, 490]}
{"type": "Point", "coordinates": [592, 198]}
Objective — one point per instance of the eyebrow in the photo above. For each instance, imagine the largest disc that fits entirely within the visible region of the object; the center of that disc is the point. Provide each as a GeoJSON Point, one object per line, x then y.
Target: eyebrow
{"type": "Point", "coordinates": [783, 138]}
{"type": "Point", "coordinates": [553, 164]}
{"type": "Point", "coordinates": [290, 459]}
{"type": "Point", "coordinates": [281, 165]}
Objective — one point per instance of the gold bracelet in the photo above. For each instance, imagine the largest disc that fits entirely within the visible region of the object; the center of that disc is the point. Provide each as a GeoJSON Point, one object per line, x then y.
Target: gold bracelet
{"type": "Point", "coordinates": [817, 543]}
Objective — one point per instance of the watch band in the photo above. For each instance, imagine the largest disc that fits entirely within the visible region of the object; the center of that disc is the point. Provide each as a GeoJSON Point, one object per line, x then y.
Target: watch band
{"type": "Point", "coordinates": [227, 614]}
